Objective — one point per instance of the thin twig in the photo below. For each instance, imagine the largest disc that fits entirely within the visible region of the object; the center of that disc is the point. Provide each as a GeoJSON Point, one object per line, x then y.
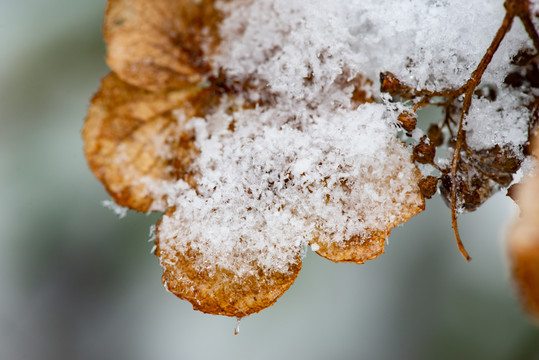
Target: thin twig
{"type": "Point", "coordinates": [469, 88]}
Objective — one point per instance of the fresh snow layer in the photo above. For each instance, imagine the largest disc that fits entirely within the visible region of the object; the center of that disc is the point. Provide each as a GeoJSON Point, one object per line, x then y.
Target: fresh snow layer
{"type": "Point", "coordinates": [275, 182]}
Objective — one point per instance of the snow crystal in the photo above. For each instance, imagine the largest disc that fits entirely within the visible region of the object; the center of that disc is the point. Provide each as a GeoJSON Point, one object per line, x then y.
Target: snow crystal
{"type": "Point", "coordinates": [120, 211]}
{"type": "Point", "coordinates": [503, 122]}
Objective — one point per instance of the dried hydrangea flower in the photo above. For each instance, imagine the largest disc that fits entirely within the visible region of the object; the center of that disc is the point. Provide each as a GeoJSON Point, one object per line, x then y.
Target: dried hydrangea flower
{"type": "Point", "coordinates": [248, 169]}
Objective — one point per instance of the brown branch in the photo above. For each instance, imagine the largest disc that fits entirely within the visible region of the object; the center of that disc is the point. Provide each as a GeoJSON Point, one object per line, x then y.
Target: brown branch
{"type": "Point", "coordinates": [469, 88]}
{"type": "Point", "coordinates": [392, 85]}
{"type": "Point", "coordinates": [521, 9]}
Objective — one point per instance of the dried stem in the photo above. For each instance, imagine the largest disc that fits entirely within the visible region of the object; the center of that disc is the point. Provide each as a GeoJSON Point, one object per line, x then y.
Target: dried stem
{"type": "Point", "coordinates": [514, 8]}
{"type": "Point", "coordinates": [469, 88]}
{"type": "Point", "coordinates": [521, 9]}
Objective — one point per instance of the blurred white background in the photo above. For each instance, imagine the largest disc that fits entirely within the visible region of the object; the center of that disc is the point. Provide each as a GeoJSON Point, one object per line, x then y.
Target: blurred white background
{"type": "Point", "coordinates": [78, 283]}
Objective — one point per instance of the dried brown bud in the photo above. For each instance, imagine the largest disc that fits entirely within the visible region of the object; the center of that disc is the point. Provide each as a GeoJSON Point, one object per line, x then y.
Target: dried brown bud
{"type": "Point", "coordinates": [428, 186]}
{"type": "Point", "coordinates": [435, 135]}
{"type": "Point", "coordinates": [389, 83]}
{"type": "Point", "coordinates": [407, 120]}
{"type": "Point", "coordinates": [514, 79]}
{"type": "Point", "coordinates": [425, 151]}
{"type": "Point", "coordinates": [472, 188]}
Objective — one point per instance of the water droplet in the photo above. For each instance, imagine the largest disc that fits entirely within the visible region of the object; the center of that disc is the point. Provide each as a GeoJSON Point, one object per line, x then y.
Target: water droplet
{"type": "Point", "coordinates": [237, 328]}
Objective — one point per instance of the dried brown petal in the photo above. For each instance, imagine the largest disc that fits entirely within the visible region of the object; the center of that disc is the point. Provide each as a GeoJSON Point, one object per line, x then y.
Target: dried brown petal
{"type": "Point", "coordinates": [157, 44]}
{"type": "Point", "coordinates": [498, 159]}
{"type": "Point", "coordinates": [524, 244]}
{"type": "Point", "coordinates": [524, 256]}
{"type": "Point", "coordinates": [126, 133]}
{"type": "Point", "coordinates": [513, 190]}
{"type": "Point", "coordinates": [221, 292]}
{"type": "Point", "coordinates": [357, 249]}
{"type": "Point", "coordinates": [361, 93]}
{"type": "Point", "coordinates": [390, 84]}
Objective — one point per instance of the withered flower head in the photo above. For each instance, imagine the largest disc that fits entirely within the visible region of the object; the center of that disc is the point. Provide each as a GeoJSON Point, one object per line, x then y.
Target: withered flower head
{"type": "Point", "coordinates": [246, 174]}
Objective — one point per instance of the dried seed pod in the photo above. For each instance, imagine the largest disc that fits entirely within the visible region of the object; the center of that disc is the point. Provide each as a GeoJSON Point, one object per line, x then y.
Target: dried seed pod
{"type": "Point", "coordinates": [407, 120]}
{"type": "Point", "coordinates": [435, 135]}
{"type": "Point", "coordinates": [496, 163]}
{"type": "Point", "coordinates": [472, 188]}
{"type": "Point", "coordinates": [514, 79]}
{"type": "Point", "coordinates": [424, 152]}
{"type": "Point", "coordinates": [523, 57]}
{"type": "Point", "coordinates": [389, 83]}
{"type": "Point", "coordinates": [428, 186]}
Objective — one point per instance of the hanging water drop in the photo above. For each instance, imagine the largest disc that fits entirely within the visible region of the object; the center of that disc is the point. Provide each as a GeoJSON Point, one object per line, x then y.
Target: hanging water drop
{"type": "Point", "coordinates": [237, 328]}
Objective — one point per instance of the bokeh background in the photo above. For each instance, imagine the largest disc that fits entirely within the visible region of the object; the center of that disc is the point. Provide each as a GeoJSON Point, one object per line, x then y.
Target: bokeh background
{"type": "Point", "coordinates": [76, 282]}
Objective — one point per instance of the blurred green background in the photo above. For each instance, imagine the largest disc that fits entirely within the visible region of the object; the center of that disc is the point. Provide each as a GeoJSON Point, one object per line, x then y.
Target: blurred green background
{"type": "Point", "coordinates": [76, 282]}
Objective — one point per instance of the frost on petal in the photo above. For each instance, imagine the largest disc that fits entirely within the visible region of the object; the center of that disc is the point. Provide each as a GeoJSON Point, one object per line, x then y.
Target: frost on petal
{"type": "Point", "coordinates": [158, 44]}
{"type": "Point", "coordinates": [524, 245]}
{"type": "Point", "coordinates": [291, 178]}
{"type": "Point", "coordinates": [239, 290]}
{"type": "Point", "coordinates": [402, 200]}
{"type": "Point", "coordinates": [131, 135]}
{"type": "Point", "coordinates": [503, 122]}
{"type": "Point", "coordinates": [361, 248]}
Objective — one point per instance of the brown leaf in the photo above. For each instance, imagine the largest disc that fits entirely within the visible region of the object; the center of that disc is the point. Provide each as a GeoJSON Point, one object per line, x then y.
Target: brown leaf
{"type": "Point", "coordinates": [221, 291]}
{"type": "Point", "coordinates": [157, 44]}
{"type": "Point", "coordinates": [127, 134]}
